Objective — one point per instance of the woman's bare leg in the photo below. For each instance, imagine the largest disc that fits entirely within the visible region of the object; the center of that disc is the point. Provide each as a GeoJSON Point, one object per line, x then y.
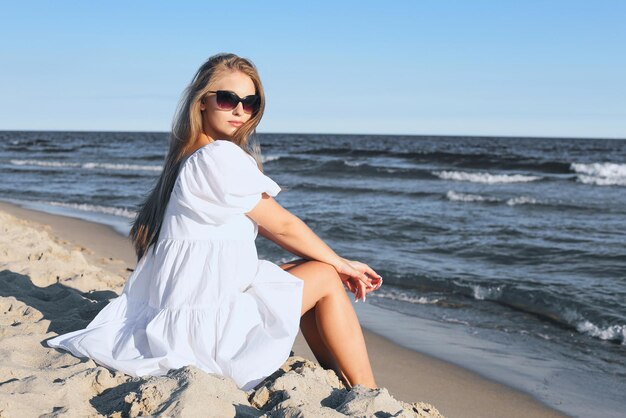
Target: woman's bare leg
{"type": "Point", "coordinates": [329, 323]}
{"type": "Point", "coordinates": [308, 326]}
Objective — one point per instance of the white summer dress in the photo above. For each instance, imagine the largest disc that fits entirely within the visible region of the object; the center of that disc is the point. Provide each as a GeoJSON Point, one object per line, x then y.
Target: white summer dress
{"type": "Point", "coordinates": [203, 298]}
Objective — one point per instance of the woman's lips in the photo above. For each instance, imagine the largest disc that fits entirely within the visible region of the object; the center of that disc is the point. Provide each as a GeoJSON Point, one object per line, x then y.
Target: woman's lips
{"type": "Point", "coordinates": [235, 123]}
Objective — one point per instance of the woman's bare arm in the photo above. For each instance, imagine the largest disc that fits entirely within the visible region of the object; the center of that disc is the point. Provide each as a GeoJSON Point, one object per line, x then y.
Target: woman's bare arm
{"type": "Point", "coordinates": [290, 232]}
{"type": "Point", "coordinates": [293, 234]}
{"type": "Point", "coordinates": [268, 235]}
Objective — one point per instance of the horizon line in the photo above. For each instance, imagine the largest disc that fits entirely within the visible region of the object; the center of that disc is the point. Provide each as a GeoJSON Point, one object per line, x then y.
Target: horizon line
{"type": "Point", "coordinates": [336, 133]}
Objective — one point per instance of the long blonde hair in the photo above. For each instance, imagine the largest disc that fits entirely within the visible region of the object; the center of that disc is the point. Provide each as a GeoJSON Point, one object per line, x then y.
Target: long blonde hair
{"type": "Point", "coordinates": [186, 127]}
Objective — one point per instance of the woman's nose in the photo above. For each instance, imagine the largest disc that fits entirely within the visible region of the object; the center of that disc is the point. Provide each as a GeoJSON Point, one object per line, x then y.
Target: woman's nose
{"type": "Point", "coordinates": [239, 109]}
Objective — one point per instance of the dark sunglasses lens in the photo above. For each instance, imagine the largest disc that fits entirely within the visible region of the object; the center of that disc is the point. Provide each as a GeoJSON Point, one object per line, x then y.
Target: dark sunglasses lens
{"type": "Point", "coordinates": [227, 100]}
{"type": "Point", "coordinates": [250, 104]}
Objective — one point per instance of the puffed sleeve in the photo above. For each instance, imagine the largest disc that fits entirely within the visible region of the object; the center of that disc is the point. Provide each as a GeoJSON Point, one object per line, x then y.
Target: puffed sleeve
{"type": "Point", "coordinates": [222, 181]}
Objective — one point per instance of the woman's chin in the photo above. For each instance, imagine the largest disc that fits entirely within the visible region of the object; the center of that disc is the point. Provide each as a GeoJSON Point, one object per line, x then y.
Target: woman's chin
{"type": "Point", "coordinates": [230, 130]}
{"type": "Point", "coordinates": [226, 134]}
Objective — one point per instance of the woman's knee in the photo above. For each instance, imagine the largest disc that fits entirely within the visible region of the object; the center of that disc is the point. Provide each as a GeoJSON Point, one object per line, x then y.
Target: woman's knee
{"type": "Point", "coordinates": [320, 275]}
{"type": "Point", "coordinates": [328, 277]}
{"type": "Point", "coordinates": [320, 281]}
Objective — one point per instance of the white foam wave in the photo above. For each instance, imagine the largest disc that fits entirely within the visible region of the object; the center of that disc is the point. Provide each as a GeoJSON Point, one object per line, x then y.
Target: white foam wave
{"type": "Point", "coordinates": [44, 163]}
{"type": "Point", "coordinates": [86, 207]}
{"type": "Point", "coordinates": [484, 177]}
{"type": "Point", "coordinates": [482, 293]}
{"type": "Point", "coordinates": [521, 200]}
{"type": "Point", "coordinates": [393, 294]}
{"type": "Point", "coordinates": [613, 332]}
{"type": "Point", "coordinates": [353, 163]}
{"type": "Point", "coordinates": [131, 167]}
{"type": "Point", "coordinates": [271, 157]}
{"type": "Point", "coordinates": [467, 197]}
{"type": "Point", "coordinates": [601, 174]}
{"type": "Point", "coordinates": [88, 166]}
{"type": "Point", "coordinates": [454, 320]}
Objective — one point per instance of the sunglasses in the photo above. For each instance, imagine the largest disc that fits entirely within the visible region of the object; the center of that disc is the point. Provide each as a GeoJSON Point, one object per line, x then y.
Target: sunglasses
{"type": "Point", "coordinates": [228, 100]}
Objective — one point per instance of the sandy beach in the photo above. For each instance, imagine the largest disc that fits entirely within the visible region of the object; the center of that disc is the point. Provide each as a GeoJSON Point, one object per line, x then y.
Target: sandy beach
{"type": "Point", "coordinates": [57, 272]}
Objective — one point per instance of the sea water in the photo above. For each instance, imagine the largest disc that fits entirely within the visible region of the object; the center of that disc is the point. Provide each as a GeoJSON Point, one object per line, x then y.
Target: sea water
{"type": "Point", "coordinates": [503, 255]}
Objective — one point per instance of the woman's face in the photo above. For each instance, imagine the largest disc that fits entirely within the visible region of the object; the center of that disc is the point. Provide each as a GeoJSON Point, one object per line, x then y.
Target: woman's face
{"type": "Point", "coordinates": [221, 124]}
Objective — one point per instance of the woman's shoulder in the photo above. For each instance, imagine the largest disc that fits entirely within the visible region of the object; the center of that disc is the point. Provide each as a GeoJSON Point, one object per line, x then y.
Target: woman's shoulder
{"type": "Point", "coordinates": [220, 154]}
{"type": "Point", "coordinates": [223, 147]}
{"type": "Point", "coordinates": [223, 174]}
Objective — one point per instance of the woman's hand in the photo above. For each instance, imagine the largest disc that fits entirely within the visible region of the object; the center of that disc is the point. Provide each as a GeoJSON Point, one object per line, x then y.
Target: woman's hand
{"type": "Point", "coordinates": [358, 277]}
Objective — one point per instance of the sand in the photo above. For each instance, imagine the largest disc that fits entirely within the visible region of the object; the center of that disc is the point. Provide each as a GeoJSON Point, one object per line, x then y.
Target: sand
{"type": "Point", "coordinates": [57, 272]}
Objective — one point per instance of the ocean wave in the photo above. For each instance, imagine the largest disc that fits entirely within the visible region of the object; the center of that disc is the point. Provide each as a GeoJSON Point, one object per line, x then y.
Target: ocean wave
{"type": "Point", "coordinates": [376, 169]}
{"type": "Point", "coordinates": [452, 320]}
{"type": "Point", "coordinates": [469, 160]}
{"type": "Point", "coordinates": [521, 200]}
{"type": "Point", "coordinates": [484, 177]}
{"type": "Point", "coordinates": [491, 292]}
{"type": "Point", "coordinates": [609, 333]}
{"type": "Point", "coordinates": [271, 157]}
{"type": "Point", "coordinates": [468, 197]}
{"type": "Point", "coordinates": [334, 167]}
{"type": "Point", "coordinates": [581, 322]}
{"type": "Point", "coordinates": [131, 167]}
{"type": "Point", "coordinates": [601, 174]}
{"type": "Point", "coordinates": [107, 166]}
{"type": "Point", "coordinates": [320, 187]}
{"type": "Point", "coordinates": [350, 163]}
{"type": "Point", "coordinates": [86, 207]}
{"type": "Point", "coordinates": [364, 168]}
{"type": "Point", "coordinates": [394, 294]}
{"type": "Point", "coordinates": [44, 163]}
{"type": "Point", "coordinates": [88, 166]}
{"type": "Point", "coordinates": [568, 316]}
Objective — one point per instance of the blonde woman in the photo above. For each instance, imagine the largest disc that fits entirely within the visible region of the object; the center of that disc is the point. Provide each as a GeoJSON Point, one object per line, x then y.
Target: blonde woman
{"type": "Point", "coordinates": [199, 295]}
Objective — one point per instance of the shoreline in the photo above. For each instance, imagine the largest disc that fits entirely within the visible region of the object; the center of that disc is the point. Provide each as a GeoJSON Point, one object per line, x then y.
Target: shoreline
{"type": "Point", "coordinates": [454, 390]}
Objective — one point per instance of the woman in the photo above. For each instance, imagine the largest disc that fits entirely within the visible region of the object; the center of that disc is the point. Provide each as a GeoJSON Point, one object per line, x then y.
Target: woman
{"type": "Point", "coordinates": [199, 295]}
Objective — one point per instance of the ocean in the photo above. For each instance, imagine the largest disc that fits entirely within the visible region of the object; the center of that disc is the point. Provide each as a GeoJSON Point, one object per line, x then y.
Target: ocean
{"type": "Point", "coordinates": [503, 255]}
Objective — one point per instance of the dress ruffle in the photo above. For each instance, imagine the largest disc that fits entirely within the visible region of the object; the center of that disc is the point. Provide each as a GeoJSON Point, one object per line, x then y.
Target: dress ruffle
{"type": "Point", "coordinates": [247, 336]}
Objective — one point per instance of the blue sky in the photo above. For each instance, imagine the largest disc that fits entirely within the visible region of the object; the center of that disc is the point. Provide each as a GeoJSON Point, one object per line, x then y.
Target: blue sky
{"type": "Point", "coordinates": [531, 68]}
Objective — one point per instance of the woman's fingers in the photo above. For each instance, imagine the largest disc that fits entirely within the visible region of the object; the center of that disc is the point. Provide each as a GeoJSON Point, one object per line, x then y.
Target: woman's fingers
{"type": "Point", "coordinates": [361, 286]}
{"type": "Point", "coordinates": [377, 281]}
{"type": "Point", "coordinates": [370, 271]}
{"type": "Point", "coordinates": [366, 270]}
{"type": "Point", "coordinates": [374, 283]}
{"type": "Point", "coordinates": [361, 278]}
{"type": "Point", "coordinates": [373, 273]}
